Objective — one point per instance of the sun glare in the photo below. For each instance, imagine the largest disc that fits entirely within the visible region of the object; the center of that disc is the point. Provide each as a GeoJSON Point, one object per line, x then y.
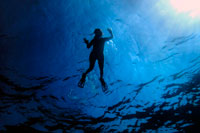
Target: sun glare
{"type": "Point", "coordinates": [192, 7]}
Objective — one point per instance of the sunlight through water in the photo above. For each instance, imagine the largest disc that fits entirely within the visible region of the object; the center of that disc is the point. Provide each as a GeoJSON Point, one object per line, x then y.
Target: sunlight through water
{"type": "Point", "coordinates": [151, 66]}
{"type": "Point", "coordinates": [191, 7]}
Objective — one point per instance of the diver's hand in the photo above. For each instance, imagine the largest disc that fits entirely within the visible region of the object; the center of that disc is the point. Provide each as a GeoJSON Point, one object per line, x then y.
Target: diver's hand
{"type": "Point", "coordinates": [109, 30]}
{"type": "Point", "coordinates": [111, 34]}
{"type": "Point", "coordinates": [85, 40]}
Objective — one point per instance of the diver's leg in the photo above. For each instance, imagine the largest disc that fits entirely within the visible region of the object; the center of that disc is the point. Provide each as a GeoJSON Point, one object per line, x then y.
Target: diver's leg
{"type": "Point", "coordinates": [92, 63]}
{"type": "Point", "coordinates": [101, 65]}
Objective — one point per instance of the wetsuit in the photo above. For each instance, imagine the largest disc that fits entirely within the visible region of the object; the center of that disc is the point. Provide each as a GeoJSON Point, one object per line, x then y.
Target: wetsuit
{"type": "Point", "coordinates": [98, 43]}
{"type": "Point", "coordinates": [97, 53]}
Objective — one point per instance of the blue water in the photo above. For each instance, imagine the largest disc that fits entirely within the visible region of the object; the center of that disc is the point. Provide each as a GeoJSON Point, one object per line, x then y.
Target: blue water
{"type": "Point", "coordinates": [151, 67]}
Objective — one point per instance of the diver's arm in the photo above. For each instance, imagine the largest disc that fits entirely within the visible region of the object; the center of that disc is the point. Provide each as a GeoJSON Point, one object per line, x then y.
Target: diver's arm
{"type": "Point", "coordinates": [89, 44]}
{"type": "Point", "coordinates": [111, 35]}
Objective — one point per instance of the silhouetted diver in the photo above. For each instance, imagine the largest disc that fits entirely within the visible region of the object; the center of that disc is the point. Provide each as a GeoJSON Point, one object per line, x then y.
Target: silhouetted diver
{"type": "Point", "coordinates": [98, 43]}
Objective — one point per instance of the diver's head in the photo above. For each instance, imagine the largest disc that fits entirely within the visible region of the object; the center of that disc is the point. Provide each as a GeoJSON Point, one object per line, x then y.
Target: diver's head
{"type": "Point", "coordinates": [98, 32]}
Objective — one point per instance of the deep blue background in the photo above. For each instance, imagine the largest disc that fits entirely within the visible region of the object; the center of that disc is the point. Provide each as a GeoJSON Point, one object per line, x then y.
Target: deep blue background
{"type": "Point", "coordinates": [151, 67]}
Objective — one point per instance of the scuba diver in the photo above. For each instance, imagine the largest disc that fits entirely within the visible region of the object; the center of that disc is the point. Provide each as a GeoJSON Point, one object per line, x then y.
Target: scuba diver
{"type": "Point", "coordinates": [98, 43]}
